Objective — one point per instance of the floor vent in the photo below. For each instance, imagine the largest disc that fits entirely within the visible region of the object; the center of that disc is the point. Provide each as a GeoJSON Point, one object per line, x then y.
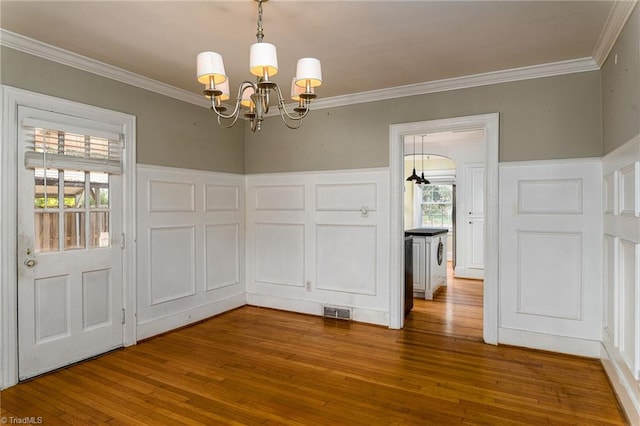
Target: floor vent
{"type": "Point", "coordinates": [337, 313]}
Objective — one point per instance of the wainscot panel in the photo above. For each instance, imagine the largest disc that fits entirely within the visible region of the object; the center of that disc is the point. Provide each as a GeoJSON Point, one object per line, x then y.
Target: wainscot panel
{"type": "Point", "coordinates": [550, 251]}
{"type": "Point", "coordinates": [190, 246]}
{"type": "Point", "coordinates": [317, 239]}
{"type": "Point", "coordinates": [620, 352]}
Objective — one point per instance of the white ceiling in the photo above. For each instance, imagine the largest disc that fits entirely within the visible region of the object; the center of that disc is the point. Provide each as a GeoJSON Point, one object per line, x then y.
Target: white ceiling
{"type": "Point", "coordinates": [363, 45]}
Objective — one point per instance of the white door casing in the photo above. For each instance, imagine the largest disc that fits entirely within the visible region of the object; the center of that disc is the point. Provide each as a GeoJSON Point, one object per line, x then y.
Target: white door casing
{"type": "Point", "coordinates": [490, 124]}
{"type": "Point", "coordinates": [12, 99]}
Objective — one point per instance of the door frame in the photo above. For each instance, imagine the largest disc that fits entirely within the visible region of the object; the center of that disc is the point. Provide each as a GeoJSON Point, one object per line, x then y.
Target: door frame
{"type": "Point", "coordinates": [11, 99]}
{"type": "Point", "coordinates": [490, 123]}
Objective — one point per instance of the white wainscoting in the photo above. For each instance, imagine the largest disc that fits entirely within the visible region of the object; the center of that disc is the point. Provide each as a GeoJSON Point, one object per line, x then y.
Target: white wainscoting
{"type": "Point", "coordinates": [190, 246]}
{"type": "Point", "coordinates": [621, 317]}
{"type": "Point", "coordinates": [319, 238]}
{"type": "Point", "coordinates": [550, 251]}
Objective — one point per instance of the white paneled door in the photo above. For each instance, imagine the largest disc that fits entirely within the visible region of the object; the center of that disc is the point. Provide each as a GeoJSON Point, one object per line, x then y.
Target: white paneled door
{"type": "Point", "coordinates": [69, 248]}
{"type": "Point", "coordinates": [471, 229]}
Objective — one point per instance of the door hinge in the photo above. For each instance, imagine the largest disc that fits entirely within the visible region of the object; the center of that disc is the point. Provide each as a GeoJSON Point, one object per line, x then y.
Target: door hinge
{"type": "Point", "coordinates": [123, 320]}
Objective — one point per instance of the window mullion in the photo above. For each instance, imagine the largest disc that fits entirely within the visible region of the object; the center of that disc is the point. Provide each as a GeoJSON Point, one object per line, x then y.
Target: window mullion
{"type": "Point", "coordinates": [87, 208]}
{"type": "Point", "coordinates": [61, 212]}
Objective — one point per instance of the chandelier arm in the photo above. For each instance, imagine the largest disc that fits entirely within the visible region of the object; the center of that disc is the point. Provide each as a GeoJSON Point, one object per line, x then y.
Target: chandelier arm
{"type": "Point", "coordinates": [236, 110]}
{"type": "Point", "coordinates": [227, 126]}
{"type": "Point", "coordinates": [283, 109]}
{"type": "Point", "coordinates": [286, 123]}
{"type": "Point", "coordinates": [234, 114]}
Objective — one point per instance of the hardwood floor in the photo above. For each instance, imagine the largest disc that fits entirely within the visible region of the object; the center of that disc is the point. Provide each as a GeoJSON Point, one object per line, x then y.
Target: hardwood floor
{"type": "Point", "coordinates": [259, 366]}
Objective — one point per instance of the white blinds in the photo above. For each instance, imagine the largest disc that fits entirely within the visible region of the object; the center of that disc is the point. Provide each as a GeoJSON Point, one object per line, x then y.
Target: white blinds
{"type": "Point", "coordinates": [56, 145]}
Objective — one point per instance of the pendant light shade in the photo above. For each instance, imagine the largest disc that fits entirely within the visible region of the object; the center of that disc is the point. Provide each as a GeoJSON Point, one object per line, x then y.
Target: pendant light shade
{"type": "Point", "coordinates": [423, 180]}
{"type": "Point", "coordinates": [414, 177]}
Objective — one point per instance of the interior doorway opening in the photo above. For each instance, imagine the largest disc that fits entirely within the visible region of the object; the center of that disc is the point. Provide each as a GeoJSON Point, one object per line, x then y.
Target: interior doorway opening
{"type": "Point", "coordinates": [448, 164]}
{"type": "Point", "coordinates": [488, 125]}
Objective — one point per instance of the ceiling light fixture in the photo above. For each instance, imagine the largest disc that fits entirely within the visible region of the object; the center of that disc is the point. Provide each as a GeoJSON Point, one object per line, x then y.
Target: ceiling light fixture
{"type": "Point", "coordinates": [423, 180]}
{"type": "Point", "coordinates": [255, 98]}
{"type": "Point", "coordinates": [414, 176]}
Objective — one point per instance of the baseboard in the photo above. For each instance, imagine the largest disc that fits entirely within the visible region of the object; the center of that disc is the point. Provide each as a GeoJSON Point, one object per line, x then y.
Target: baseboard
{"type": "Point", "coordinates": [549, 342]}
{"type": "Point", "coordinates": [310, 307]}
{"type": "Point", "coordinates": [470, 273]}
{"type": "Point", "coordinates": [625, 386]}
{"type": "Point", "coordinates": [180, 319]}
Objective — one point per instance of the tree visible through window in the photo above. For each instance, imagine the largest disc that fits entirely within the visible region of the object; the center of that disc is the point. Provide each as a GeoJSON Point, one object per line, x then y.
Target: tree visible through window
{"type": "Point", "coordinates": [436, 206]}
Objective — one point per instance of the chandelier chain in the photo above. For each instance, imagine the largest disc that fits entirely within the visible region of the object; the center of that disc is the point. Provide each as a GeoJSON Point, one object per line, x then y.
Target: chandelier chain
{"type": "Point", "coordinates": [260, 34]}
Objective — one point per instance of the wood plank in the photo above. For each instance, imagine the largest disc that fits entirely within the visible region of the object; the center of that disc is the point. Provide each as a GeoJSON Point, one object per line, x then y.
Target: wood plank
{"type": "Point", "coordinates": [261, 366]}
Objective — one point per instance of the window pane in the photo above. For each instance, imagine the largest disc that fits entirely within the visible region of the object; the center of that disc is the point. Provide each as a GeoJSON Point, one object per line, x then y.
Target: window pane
{"type": "Point", "coordinates": [74, 189]}
{"type": "Point", "coordinates": [99, 195]}
{"type": "Point", "coordinates": [99, 229]}
{"type": "Point", "coordinates": [46, 188]}
{"type": "Point", "coordinates": [437, 206]}
{"type": "Point", "coordinates": [46, 232]}
{"type": "Point", "coordinates": [74, 230]}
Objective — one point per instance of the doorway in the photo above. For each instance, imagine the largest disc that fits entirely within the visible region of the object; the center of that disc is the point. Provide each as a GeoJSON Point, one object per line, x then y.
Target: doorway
{"type": "Point", "coordinates": [64, 219]}
{"type": "Point", "coordinates": [489, 124]}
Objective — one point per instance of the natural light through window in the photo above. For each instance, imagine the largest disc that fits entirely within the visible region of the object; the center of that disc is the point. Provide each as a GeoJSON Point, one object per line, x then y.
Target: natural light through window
{"type": "Point", "coordinates": [436, 206]}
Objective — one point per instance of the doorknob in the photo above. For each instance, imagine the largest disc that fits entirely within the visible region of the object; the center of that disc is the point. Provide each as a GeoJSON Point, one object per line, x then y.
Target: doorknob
{"type": "Point", "coordinates": [30, 263]}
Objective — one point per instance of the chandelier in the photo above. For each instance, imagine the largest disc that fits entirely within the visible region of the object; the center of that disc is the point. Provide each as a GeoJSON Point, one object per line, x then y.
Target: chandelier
{"type": "Point", "coordinates": [253, 98]}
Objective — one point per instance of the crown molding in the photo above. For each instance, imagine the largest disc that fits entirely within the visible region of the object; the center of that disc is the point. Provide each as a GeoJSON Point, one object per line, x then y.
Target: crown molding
{"type": "Point", "coordinates": [65, 57]}
{"type": "Point", "coordinates": [74, 60]}
{"type": "Point", "coordinates": [620, 12]}
{"type": "Point", "coordinates": [476, 80]}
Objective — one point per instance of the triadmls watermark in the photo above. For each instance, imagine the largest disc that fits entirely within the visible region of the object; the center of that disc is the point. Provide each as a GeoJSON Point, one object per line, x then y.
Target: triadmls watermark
{"type": "Point", "coordinates": [27, 420]}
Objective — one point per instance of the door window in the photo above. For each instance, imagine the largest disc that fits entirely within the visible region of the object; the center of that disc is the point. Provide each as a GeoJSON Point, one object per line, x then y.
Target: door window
{"type": "Point", "coordinates": [71, 187]}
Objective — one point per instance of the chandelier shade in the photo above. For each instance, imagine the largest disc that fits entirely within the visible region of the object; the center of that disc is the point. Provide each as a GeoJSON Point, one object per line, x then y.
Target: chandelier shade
{"type": "Point", "coordinates": [210, 64]}
{"type": "Point", "coordinates": [263, 60]}
{"type": "Point", "coordinates": [257, 96]}
{"type": "Point", "coordinates": [308, 72]}
{"type": "Point", "coordinates": [296, 90]}
{"type": "Point", "coordinates": [246, 97]}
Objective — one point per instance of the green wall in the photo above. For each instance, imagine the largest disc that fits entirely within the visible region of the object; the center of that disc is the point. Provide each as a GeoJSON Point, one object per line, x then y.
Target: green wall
{"type": "Point", "coordinates": [540, 119]}
{"type": "Point", "coordinates": [621, 87]}
{"type": "Point", "coordinates": [169, 132]}
{"type": "Point", "coordinates": [546, 118]}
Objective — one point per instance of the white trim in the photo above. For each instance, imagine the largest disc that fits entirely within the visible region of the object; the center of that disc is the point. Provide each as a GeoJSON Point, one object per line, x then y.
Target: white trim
{"type": "Point", "coordinates": [173, 320]}
{"type": "Point", "coordinates": [11, 99]}
{"type": "Point", "coordinates": [560, 161]}
{"type": "Point", "coordinates": [504, 76]}
{"type": "Point", "coordinates": [52, 53]}
{"type": "Point", "coordinates": [618, 16]}
{"type": "Point", "coordinates": [550, 342]}
{"type": "Point", "coordinates": [311, 307]}
{"type": "Point", "coordinates": [490, 124]}
{"type": "Point", "coordinates": [171, 169]}
{"type": "Point", "coordinates": [65, 57]}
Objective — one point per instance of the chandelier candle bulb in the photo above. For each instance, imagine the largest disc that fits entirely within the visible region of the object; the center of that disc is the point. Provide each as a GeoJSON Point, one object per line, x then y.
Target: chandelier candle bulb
{"type": "Point", "coordinates": [296, 90]}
